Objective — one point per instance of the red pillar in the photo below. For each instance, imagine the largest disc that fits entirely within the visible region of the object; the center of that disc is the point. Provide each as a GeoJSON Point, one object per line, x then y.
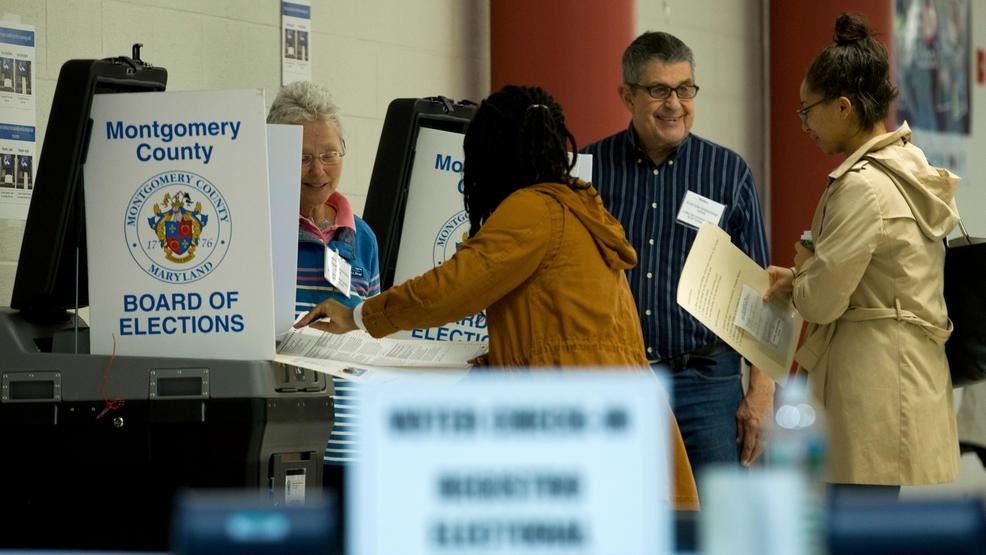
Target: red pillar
{"type": "Point", "coordinates": [798, 169]}
{"type": "Point", "coordinates": [572, 49]}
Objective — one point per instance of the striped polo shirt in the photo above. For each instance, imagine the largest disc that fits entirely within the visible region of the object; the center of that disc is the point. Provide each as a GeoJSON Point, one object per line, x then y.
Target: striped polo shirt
{"type": "Point", "coordinates": [355, 242]}
{"type": "Point", "coordinates": [646, 199]}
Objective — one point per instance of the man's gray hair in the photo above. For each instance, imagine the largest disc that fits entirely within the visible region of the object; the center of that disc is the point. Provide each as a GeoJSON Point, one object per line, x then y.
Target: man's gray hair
{"type": "Point", "coordinates": [303, 101]}
{"type": "Point", "coordinates": [654, 45]}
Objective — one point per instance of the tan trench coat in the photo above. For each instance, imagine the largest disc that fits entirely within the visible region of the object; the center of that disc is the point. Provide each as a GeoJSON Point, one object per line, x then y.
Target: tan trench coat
{"type": "Point", "coordinates": [873, 295]}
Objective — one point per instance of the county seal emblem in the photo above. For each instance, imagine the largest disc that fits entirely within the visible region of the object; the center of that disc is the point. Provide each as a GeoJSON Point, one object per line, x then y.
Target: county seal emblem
{"type": "Point", "coordinates": [178, 226]}
{"type": "Point", "coordinates": [452, 234]}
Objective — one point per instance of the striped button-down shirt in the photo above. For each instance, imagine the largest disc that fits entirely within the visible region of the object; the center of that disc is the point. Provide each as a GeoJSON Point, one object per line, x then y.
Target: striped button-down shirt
{"type": "Point", "coordinates": [646, 199]}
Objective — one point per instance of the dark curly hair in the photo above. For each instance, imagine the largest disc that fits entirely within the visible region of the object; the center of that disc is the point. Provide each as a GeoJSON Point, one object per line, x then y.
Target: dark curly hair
{"type": "Point", "coordinates": [516, 139]}
{"type": "Point", "coordinates": [855, 66]}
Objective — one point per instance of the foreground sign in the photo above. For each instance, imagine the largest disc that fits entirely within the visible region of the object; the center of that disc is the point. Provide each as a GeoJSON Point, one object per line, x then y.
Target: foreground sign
{"type": "Point", "coordinates": [178, 228]}
{"type": "Point", "coordinates": [512, 463]}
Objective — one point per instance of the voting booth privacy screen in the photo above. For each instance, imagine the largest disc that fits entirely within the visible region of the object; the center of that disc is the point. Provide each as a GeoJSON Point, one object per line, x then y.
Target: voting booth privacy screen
{"type": "Point", "coordinates": [415, 203]}
{"type": "Point", "coordinates": [408, 121]}
{"type": "Point", "coordinates": [179, 225]}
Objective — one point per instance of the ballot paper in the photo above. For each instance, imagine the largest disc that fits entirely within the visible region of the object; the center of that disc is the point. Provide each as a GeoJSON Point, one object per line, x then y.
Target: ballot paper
{"type": "Point", "coordinates": [309, 347]}
{"type": "Point", "coordinates": [768, 322]}
{"type": "Point", "coordinates": [364, 373]}
{"type": "Point", "coordinates": [722, 288]}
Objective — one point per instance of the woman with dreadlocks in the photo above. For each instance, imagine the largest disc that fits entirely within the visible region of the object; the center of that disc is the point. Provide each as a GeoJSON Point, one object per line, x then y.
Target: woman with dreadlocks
{"type": "Point", "coordinates": [544, 258]}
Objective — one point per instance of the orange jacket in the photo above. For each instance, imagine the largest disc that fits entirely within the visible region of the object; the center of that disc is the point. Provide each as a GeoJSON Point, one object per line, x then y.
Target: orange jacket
{"type": "Point", "coordinates": [549, 268]}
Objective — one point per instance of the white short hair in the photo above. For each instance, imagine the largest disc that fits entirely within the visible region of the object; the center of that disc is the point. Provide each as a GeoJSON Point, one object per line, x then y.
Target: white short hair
{"type": "Point", "coordinates": [303, 101]}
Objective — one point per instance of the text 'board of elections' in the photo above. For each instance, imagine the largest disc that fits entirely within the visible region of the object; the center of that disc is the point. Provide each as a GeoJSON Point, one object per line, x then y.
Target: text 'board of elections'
{"type": "Point", "coordinates": [513, 463]}
{"type": "Point", "coordinates": [178, 225]}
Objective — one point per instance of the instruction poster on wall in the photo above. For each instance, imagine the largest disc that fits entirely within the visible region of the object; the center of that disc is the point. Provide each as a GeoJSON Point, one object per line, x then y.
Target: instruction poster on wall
{"type": "Point", "coordinates": [296, 40]}
{"type": "Point", "coordinates": [17, 119]}
{"type": "Point", "coordinates": [933, 59]}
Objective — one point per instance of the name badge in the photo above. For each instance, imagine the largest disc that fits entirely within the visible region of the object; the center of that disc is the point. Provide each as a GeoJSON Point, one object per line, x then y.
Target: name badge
{"type": "Point", "coordinates": [337, 271]}
{"type": "Point", "coordinates": [696, 210]}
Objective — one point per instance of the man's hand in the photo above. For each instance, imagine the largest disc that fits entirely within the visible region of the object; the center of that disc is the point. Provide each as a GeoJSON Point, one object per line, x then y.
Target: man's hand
{"type": "Point", "coordinates": [755, 416]}
{"type": "Point", "coordinates": [340, 318]}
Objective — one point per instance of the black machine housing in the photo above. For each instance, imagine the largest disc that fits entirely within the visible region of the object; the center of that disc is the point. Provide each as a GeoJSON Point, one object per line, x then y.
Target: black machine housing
{"type": "Point", "coordinates": [387, 195]}
{"type": "Point", "coordinates": [54, 245]}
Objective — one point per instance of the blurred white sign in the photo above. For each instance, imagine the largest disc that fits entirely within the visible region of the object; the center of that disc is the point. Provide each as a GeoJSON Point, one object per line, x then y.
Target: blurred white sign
{"type": "Point", "coordinates": [512, 463]}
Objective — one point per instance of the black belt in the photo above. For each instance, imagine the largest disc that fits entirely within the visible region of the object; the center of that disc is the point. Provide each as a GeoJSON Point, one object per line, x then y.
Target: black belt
{"type": "Point", "coordinates": [699, 358]}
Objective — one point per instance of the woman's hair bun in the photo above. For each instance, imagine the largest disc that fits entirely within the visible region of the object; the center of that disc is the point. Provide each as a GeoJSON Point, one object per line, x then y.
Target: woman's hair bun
{"type": "Point", "coordinates": [856, 66]}
{"type": "Point", "coordinates": [850, 28]}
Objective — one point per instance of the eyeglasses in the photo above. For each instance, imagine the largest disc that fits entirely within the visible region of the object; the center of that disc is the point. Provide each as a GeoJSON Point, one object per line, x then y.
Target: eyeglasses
{"type": "Point", "coordinates": [327, 158]}
{"type": "Point", "coordinates": [663, 92]}
{"type": "Point", "coordinates": [803, 112]}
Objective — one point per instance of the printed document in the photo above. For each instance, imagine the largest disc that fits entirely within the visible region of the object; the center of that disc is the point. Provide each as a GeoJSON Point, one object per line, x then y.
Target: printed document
{"type": "Point", "coordinates": [364, 373]}
{"type": "Point", "coordinates": [722, 288]}
{"type": "Point", "coordinates": [318, 350]}
{"type": "Point", "coordinates": [767, 322]}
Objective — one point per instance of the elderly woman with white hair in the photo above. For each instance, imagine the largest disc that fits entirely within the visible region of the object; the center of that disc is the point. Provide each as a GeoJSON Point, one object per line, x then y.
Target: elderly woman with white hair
{"type": "Point", "coordinates": [326, 222]}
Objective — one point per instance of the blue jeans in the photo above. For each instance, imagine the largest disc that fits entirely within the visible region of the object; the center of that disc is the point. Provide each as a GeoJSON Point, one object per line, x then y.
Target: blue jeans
{"type": "Point", "coordinates": [705, 401]}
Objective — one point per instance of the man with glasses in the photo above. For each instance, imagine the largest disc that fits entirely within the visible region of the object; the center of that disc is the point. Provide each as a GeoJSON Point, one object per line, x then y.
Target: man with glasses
{"type": "Point", "coordinates": [661, 182]}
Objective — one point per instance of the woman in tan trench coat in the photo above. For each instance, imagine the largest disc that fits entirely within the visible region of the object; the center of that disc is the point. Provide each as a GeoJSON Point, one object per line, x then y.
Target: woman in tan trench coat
{"type": "Point", "coordinates": [872, 288]}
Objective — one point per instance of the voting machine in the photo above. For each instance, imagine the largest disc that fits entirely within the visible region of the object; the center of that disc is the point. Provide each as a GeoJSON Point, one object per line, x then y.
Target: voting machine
{"type": "Point", "coordinates": [94, 448]}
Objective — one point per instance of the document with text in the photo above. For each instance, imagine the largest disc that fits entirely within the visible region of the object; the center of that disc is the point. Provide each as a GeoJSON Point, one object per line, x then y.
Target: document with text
{"type": "Point", "coordinates": [364, 373]}
{"type": "Point", "coordinates": [722, 288]}
{"type": "Point", "coordinates": [358, 347]}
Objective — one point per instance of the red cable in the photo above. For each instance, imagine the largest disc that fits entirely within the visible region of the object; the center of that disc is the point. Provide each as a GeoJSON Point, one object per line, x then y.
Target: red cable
{"type": "Point", "coordinates": [107, 404]}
